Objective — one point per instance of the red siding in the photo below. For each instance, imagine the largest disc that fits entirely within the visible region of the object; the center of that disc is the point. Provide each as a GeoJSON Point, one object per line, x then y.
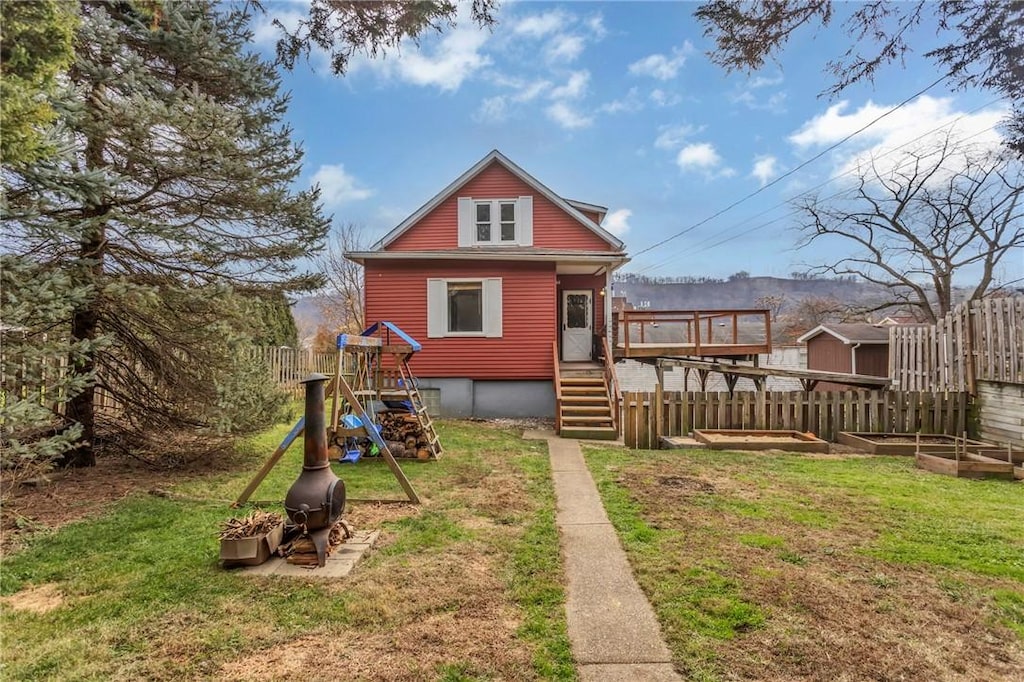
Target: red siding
{"type": "Point", "coordinates": [873, 359]}
{"type": "Point", "coordinates": [397, 291]}
{"type": "Point", "coordinates": [553, 228]}
{"type": "Point", "coordinates": [594, 283]}
{"type": "Point", "coordinates": [593, 215]}
{"type": "Point", "coordinates": [827, 353]}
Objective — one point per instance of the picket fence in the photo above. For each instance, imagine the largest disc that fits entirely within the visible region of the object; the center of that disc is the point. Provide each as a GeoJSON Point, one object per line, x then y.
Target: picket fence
{"type": "Point", "coordinates": [647, 416]}
{"type": "Point", "coordinates": [289, 366]}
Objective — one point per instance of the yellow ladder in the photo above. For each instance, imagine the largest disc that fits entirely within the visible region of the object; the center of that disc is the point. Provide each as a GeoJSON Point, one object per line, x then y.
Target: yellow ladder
{"type": "Point", "coordinates": [416, 400]}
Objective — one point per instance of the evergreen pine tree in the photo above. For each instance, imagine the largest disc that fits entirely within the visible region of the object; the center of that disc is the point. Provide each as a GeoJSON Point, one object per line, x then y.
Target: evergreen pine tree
{"type": "Point", "coordinates": [175, 191]}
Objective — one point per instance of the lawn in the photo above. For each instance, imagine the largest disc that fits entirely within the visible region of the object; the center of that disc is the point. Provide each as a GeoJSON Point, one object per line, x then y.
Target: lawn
{"type": "Point", "coordinates": [466, 587]}
{"type": "Point", "coordinates": [775, 566]}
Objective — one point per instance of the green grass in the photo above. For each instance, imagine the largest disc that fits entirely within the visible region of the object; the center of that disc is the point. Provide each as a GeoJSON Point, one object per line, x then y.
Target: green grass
{"type": "Point", "coordinates": [146, 599]}
{"type": "Point", "coordinates": [765, 519]}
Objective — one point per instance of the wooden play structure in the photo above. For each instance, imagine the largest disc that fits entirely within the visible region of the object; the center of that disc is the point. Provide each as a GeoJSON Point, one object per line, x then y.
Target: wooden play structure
{"type": "Point", "coordinates": [372, 368]}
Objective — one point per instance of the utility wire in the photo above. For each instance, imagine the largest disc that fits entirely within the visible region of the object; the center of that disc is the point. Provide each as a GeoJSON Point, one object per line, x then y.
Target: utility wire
{"type": "Point", "coordinates": [820, 185]}
{"type": "Point", "coordinates": [791, 172]}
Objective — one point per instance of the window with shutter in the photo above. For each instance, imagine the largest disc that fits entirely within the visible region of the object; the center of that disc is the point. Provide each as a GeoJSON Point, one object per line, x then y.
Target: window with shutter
{"type": "Point", "coordinates": [495, 222]}
{"type": "Point", "coordinates": [464, 307]}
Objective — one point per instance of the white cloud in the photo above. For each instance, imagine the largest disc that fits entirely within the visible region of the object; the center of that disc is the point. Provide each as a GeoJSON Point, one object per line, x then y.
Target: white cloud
{"type": "Point", "coordinates": [596, 26]}
{"type": "Point", "coordinates": [764, 169]}
{"type": "Point", "coordinates": [628, 104]}
{"type": "Point", "coordinates": [703, 157]}
{"type": "Point", "coordinates": [617, 222]}
{"type": "Point", "coordinates": [567, 117]}
{"type": "Point", "coordinates": [531, 91]}
{"type": "Point", "coordinates": [564, 48]}
{"type": "Point", "coordinates": [902, 127]}
{"type": "Point", "coordinates": [574, 88]}
{"type": "Point", "coordinates": [492, 110]}
{"type": "Point", "coordinates": [765, 81]}
{"type": "Point", "coordinates": [664, 99]}
{"type": "Point", "coordinates": [338, 187]}
{"type": "Point", "coordinates": [540, 25]}
{"type": "Point", "coordinates": [661, 66]}
{"type": "Point", "coordinates": [456, 57]}
{"type": "Point", "coordinates": [672, 137]}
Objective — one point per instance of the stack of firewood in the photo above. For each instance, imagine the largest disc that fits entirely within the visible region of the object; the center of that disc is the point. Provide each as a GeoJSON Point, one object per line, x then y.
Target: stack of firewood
{"type": "Point", "coordinates": [404, 435]}
{"type": "Point", "coordinates": [302, 552]}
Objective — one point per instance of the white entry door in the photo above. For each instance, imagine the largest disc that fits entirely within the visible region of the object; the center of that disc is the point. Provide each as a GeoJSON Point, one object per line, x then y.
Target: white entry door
{"type": "Point", "coordinates": [577, 324]}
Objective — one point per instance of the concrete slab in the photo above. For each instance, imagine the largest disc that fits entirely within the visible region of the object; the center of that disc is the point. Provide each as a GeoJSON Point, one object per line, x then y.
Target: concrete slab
{"type": "Point", "coordinates": [608, 617]}
{"type": "Point", "coordinates": [628, 672]}
{"type": "Point", "coordinates": [681, 443]}
{"type": "Point", "coordinates": [566, 455]}
{"type": "Point", "coordinates": [339, 564]}
{"type": "Point", "coordinates": [576, 498]}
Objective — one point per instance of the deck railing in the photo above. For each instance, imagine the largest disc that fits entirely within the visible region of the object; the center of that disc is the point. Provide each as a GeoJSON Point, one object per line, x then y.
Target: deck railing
{"type": "Point", "coordinates": [699, 332]}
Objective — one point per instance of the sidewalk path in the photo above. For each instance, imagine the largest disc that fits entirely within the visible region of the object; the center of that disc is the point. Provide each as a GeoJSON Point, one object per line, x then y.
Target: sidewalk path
{"type": "Point", "coordinates": [612, 628]}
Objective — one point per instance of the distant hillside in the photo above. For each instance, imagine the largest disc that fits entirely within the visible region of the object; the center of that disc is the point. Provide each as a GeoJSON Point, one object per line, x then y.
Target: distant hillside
{"type": "Point", "coordinates": [742, 293]}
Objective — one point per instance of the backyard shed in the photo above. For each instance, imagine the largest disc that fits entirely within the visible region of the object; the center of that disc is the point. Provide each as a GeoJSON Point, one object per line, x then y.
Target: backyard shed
{"type": "Point", "coordinates": [853, 348]}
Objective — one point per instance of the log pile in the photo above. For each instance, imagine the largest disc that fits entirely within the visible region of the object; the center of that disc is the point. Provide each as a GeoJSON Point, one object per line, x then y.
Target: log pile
{"type": "Point", "coordinates": [302, 552]}
{"type": "Point", "coordinates": [255, 524]}
{"type": "Point", "coordinates": [404, 435]}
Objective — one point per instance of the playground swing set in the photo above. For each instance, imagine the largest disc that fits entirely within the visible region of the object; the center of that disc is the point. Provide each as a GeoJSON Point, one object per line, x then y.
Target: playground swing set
{"type": "Point", "coordinates": [373, 368]}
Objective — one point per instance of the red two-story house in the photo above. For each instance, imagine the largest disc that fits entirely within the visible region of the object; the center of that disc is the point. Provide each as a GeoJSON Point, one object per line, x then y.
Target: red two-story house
{"type": "Point", "coordinates": [494, 276]}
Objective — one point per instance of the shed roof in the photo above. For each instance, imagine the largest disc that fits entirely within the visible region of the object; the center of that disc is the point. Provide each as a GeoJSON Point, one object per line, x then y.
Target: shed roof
{"type": "Point", "coordinates": [850, 332]}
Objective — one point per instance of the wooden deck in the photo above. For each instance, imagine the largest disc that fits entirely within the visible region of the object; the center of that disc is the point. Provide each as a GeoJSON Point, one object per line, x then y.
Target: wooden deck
{"type": "Point", "coordinates": [726, 334]}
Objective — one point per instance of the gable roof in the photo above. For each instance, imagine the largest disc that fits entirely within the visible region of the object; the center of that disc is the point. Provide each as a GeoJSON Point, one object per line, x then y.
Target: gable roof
{"type": "Point", "coordinates": [850, 333]}
{"type": "Point", "coordinates": [476, 169]}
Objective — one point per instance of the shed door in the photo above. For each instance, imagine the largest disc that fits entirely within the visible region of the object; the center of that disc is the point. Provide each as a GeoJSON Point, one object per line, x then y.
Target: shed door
{"type": "Point", "coordinates": [577, 324]}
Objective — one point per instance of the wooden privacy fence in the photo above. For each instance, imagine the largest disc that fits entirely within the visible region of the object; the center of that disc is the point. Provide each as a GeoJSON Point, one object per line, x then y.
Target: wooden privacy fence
{"type": "Point", "coordinates": [977, 341]}
{"type": "Point", "coordinates": [648, 416]}
{"type": "Point", "coordinates": [289, 366]}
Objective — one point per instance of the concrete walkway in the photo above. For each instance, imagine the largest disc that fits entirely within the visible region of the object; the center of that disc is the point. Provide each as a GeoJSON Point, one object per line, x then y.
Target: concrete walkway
{"type": "Point", "coordinates": [612, 628]}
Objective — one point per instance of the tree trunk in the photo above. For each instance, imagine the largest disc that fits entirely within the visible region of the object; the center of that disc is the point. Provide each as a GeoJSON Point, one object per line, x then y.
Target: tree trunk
{"type": "Point", "coordinates": [81, 409]}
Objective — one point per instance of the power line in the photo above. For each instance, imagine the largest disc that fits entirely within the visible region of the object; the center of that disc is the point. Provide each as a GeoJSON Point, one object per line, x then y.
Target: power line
{"type": "Point", "coordinates": [791, 172]}
{"type": "Point", "coordinates": [819, 186]}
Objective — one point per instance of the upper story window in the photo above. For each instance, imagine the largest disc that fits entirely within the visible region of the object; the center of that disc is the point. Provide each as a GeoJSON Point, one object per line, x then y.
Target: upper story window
{"type": "Point", "coordinates": [496, 222]}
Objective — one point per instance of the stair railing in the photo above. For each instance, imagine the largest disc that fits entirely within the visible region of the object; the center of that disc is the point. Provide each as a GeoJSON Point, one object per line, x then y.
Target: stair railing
{"type": "Point", "coordinates": [611, 383]}
{"type": "Point", "coordinates": [558, 387]}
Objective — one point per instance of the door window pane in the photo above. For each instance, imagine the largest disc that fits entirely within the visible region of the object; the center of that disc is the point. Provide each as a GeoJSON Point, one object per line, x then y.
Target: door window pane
{"type": "Point", "coordinates": [576, 311]}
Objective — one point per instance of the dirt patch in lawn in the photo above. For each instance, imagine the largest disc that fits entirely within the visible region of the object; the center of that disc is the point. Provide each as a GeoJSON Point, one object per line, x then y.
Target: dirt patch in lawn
{"type": "Point", "coordinates": [447, 611]}
{"type": "Point", "coordinates": [73, 494]}
{"type": "Point", "coordinates": [36, 599]}
{"type": "Point", "coordinates": [830, 611]}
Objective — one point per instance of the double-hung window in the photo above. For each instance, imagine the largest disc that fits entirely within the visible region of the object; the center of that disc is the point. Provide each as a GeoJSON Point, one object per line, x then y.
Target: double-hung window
{"type": "Point", "coordinates": [464, 307]}
{"type": "Point", "coordinates": [496, 222]}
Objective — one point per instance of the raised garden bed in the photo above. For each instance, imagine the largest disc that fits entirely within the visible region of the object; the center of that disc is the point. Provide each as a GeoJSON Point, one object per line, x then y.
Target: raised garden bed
{"type": "Point", "coordinates": [965, 465]}
{"type": "Point", "coordinates": [740, 439]}
{"type": "Point", "coordinates": [906, 443]}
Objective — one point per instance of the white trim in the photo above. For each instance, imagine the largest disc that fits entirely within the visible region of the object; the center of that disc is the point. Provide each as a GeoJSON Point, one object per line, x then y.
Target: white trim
{"type": "Point", "coordinates": [493, 254]}
{"type": "Point", "coordinates": [822, 328]}
{"type": "Point", "coordinates": [601, 211]}
{"type": "Point", "coordinates": [491, 310]}
{"type": "Point", "coordinates": [478, 167]}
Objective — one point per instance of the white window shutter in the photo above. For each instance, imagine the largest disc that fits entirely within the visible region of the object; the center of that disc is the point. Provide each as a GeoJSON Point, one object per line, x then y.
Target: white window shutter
{"type": "Point", "coordinates": [492, 307]}
{"type": "Point", "coordinates": [437, 308]}
{"type": "Point", "coordinates": [467, 221]}
{"type": "Point", "coordinates": [525, 212]}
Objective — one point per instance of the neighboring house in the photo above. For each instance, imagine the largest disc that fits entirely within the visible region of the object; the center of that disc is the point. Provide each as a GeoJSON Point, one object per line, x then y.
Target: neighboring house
{"type": "Point", "coordinates": [489, 274]}
{"type": "Point", "coordinates": [897, 320]}
{"type": "Point", "coordinates": [853, 348]}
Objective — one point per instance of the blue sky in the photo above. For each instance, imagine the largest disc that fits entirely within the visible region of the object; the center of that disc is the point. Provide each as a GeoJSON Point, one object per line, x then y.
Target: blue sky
{"type": "Point", "coordinates": [614, 104]}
